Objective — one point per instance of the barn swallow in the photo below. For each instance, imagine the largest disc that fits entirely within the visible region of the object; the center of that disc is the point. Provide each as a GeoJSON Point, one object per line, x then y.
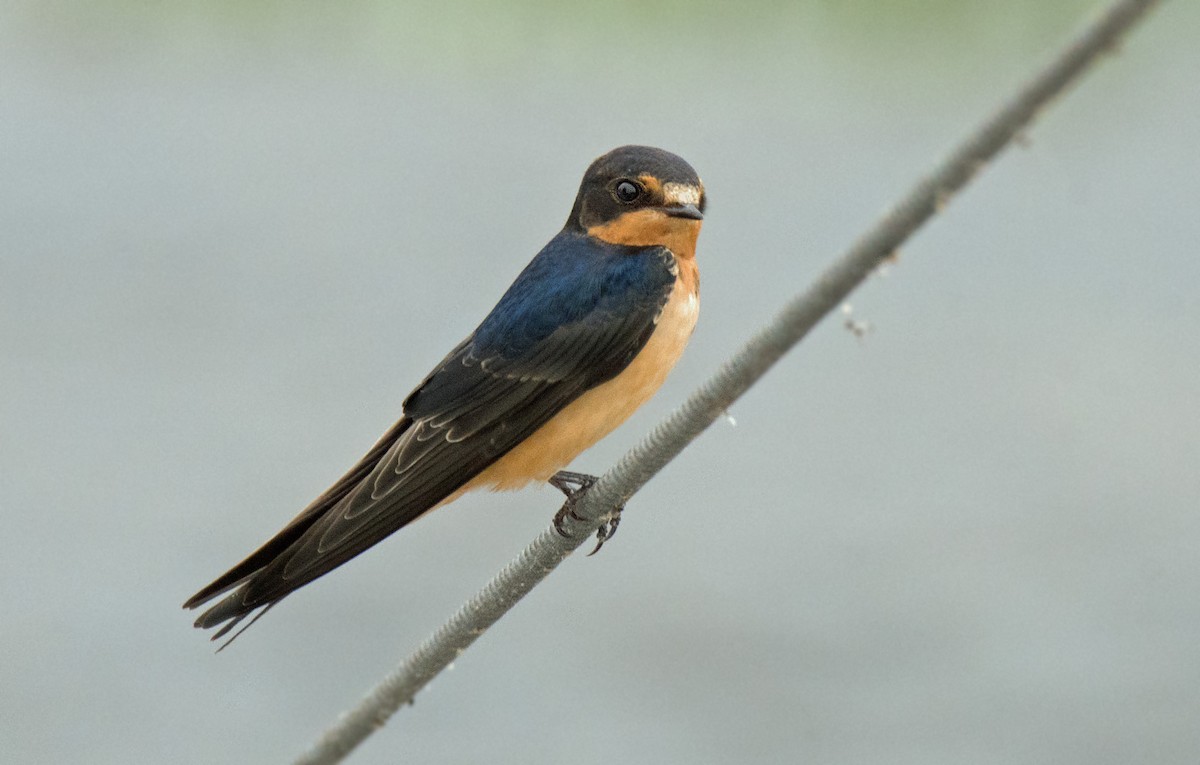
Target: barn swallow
{"type": "Point", "coordinates": [583, 337]}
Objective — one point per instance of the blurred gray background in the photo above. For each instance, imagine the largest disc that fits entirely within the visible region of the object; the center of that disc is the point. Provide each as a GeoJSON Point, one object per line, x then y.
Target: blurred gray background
{"type": "Point", "coordinates": [233, 236]}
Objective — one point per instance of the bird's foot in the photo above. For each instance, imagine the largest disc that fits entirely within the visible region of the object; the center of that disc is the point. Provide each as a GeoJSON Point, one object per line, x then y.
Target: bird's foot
{"type": "Point", "coordinates": [607, 530]}
{"type": "Point", "coordinates": [574, 486]}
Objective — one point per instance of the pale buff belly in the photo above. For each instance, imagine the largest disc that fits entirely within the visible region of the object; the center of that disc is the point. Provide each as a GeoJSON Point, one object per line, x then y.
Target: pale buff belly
{"type": "Point", "coordinates": [600, 410]}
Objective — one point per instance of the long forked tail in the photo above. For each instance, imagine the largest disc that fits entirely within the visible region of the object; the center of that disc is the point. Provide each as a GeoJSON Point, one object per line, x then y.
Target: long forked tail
{"type": "Point", "coordinates": [233, 608]}
{"type": "Point", "coordinates": [227, 611]}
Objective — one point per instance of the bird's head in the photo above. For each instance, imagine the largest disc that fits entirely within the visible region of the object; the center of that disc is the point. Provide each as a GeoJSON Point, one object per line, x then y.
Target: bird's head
{"type": "Point", "coordinates": [641, 196]}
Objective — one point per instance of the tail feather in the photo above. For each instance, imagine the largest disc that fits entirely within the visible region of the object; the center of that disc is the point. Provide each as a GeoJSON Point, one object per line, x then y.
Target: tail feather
{"type": "Point", "coordinates": [222, 612]}
{"type": "Point", "coordinates": [233, 608]}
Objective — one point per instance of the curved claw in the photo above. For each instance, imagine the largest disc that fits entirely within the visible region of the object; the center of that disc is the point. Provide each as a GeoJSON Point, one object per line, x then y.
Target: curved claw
{"type": "Point", "coordinates": [568, 509]}
{"type": "Point", "coordinates": [606, 531]}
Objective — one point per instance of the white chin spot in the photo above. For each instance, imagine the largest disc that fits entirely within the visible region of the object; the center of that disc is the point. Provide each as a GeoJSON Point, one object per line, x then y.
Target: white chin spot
{"type": "Point", "coordinates": [681, 194]}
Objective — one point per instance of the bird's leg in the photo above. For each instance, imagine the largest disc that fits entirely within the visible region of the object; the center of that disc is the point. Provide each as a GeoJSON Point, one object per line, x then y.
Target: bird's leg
{"type": "Point", "coordinates": [574, 486]}
{"type": "Point", "coordinates": [563, 480]}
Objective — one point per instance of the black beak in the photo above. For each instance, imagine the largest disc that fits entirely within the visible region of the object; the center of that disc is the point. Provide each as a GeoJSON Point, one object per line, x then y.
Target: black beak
{"type": "Point", "coordinates": [684, 211]}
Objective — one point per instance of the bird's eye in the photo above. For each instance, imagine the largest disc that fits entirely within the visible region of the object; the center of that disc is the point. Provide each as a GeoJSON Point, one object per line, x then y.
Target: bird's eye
{"type": "Point", "coordinates": [627, 191]}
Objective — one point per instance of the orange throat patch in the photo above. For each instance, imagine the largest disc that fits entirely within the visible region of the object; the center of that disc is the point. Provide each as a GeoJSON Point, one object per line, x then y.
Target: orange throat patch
{"type": "Point", "coordinates": [649, 228]}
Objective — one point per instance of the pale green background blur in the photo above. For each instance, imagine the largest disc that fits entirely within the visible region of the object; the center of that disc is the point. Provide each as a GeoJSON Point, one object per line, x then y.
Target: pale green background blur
{"type": "Point", "coordinates": [234, 235]}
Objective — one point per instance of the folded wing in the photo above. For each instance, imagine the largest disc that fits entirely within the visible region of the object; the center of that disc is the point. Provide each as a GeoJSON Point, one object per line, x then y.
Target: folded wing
{"type": "Point", "coordinates": [571, 321]}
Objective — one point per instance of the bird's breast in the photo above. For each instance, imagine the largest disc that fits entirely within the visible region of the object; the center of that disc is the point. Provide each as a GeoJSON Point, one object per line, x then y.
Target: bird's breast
{"type": "Point", "coordinates": [600, 410]}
